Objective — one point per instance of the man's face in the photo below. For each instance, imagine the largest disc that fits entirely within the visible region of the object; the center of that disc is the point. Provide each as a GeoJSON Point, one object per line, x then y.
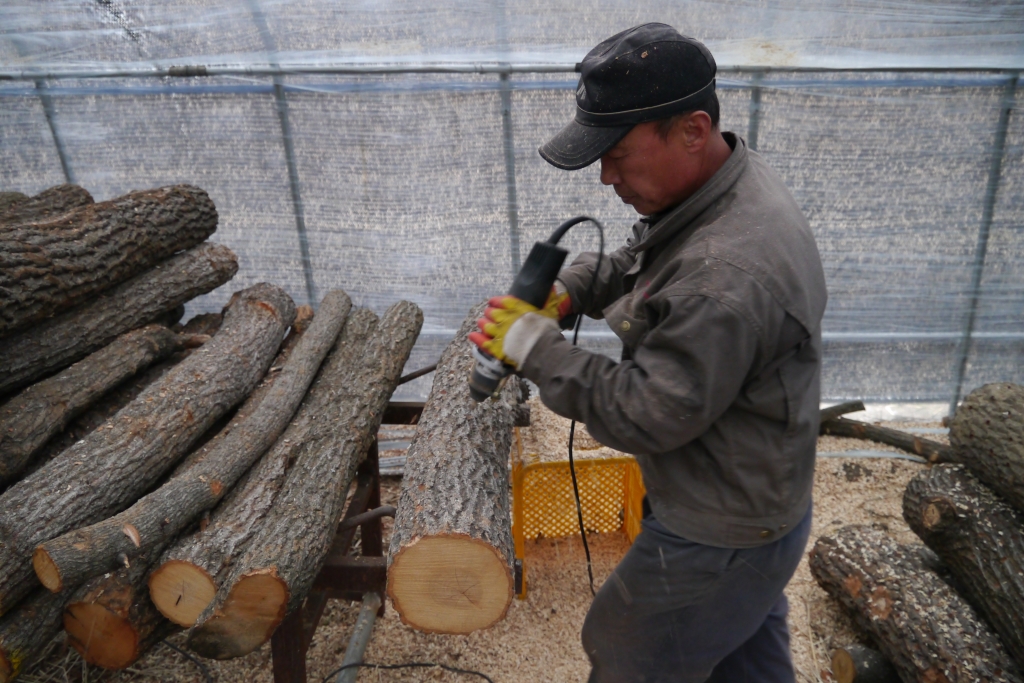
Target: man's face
{"type": "Point", "coordinates": [652, 173]}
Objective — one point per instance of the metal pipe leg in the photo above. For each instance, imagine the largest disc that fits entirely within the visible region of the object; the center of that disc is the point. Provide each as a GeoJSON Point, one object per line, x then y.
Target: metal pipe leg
{"type": "Point", "coordinates": [360, 637]}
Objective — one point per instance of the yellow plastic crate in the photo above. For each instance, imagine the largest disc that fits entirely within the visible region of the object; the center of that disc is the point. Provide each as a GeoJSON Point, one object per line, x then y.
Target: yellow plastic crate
{"type": "Point", "coordinates": [611, 493]}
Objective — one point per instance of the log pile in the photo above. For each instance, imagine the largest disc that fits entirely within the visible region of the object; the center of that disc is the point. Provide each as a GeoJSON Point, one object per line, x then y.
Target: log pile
{"type": "Point", "coordinates": [954, 610]}
{"type": "Point", "coordinates": [138, 456]}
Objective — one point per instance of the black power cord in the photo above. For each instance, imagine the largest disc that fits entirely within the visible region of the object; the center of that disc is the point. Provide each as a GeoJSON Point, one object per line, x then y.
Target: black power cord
{"type": "Point", "coordinates": [407, 665]}
{"type": "Point", "coordinates": [561, 230]}
{"type": "Point", "coordinates": [202, 667]}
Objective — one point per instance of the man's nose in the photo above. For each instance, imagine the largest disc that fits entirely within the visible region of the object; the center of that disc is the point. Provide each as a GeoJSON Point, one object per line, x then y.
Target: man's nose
{"type": "Point", "coordinates": [609, 173]}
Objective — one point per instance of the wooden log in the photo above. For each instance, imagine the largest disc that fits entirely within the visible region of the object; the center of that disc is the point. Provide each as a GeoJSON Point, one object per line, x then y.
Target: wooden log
{"type": "Point", "coordinates": [451, 556]}
{"type": "Point", "coordinates": [49, 203]}
{"type": "Point", "coordinates": [988, 434]}
{"type": "Point", "coordinates": [161, 515]}
{"type": "Point", "coordinates": [105, 472]}
{"type": "Point", "coordinates": [111, 621]}
{"type": "Point", "coordinates": [932, 451]}
{"type": "Point", "coordinates": [26, 631]}
{"type": "Point", "coordinates": [278, 568]}
{"type": "Point", "coordinates": [204, 323]}
{"type": "Point", "coordinates": [53, 265]}
{"type": "Point", "coordinates": [60, 341]}
{"type": "Point", "coordinates": [926, 630]}
{"type": "Point", "coordinates": [183, 583]}
{"type": "Point", "coordinates": [31, 418]}
{"type": "Point", "coordinates": [980, 538]}
{"type": "Point", "coordinates": [859, 664]}
{"type": "Point", "coordinates": [832, 412]}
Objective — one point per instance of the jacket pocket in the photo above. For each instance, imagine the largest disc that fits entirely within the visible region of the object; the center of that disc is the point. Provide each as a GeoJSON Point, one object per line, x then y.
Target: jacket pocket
{"type": "Point", "coordinates": [630, 328]}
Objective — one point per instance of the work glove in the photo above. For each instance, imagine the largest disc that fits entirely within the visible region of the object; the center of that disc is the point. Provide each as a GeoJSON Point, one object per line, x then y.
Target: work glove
{"type": "Point", "coordinates": [511, 327]}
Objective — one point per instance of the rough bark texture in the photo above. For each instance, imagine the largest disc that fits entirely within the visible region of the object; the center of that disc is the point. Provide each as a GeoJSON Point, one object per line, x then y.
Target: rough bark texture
{"type": "Point", "coordinates": [27, 630]}
{"type": "Point", "coordinates": [9, 200]}
{"type": "Point", "coordinates": [111, 621]}
{"type": "Point", "coordinates": [988, 435]}
{"type": "Point", "coordinates": [161, 515]}
{"type": "Point", "coordinates": [980, 538]}
{"type": "Point", "coordinates": [49, 203]}
{"type": "Point", "coordinates": [32, 417]}
{"type": "Point", "coordinates": [456, 488]}
{"type": "Point", "coordinates": [60, 341]}
{"type": "Point", "coordinates": [926, 630]}
{"type": "Point", "coordinates": [48, 266]}
{"type": "Point", "coordinates": [204, 323]}
{"type": "Point", "coordinates": [859, 664]}
{"type": "Point", "coordinates": [832, 412]}
{"type": "Point", "coordinates": [108, 470]}
{"type": "Point", "coordinates": [281, 562]}
{"type": "Point", "coordinates": [933, 451]}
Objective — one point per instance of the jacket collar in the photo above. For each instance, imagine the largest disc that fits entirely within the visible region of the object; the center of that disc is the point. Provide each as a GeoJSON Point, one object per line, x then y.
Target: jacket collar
{"type": "Point", "coordinates": [667, 224]}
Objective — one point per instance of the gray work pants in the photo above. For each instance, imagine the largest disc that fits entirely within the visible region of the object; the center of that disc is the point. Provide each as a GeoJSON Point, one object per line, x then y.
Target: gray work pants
{"type": "Point", "coordinates": [679, 611]}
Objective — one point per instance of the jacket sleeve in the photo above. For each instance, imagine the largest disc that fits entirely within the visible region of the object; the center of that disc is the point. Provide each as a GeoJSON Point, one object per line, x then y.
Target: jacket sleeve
{"type": "Point", "coordinates": [607, 286]}
{"type": "Point", "coordinates": [685, 373]}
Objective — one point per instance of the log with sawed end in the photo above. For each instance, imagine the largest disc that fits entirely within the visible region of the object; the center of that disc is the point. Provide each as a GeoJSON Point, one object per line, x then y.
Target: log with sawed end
{"type": "Point", "coordinates": [282, 560]}
{"type": "Point", "coordinates": [979, 537]}
{"type": "Point", "coordinates": [59, 341]}
{"type": "Point", "coordinates": [52, 265]}
{"type": "Point", "coordinates": [988, 434]}
{"type": "Point", "coordinates": [451, 555]}
{"type": "Point", "coordinates": [161, 515]}
{"type": "Point", "coordinates": [112, 467]}
{"type": "Point", "coordinates": [926, 630]}
{"type": "Point", "coordinates": [184, 580]}
{"type": "Point", "coordinates": [49, 203]}
{"type": "Point", "coordinates": [30, 418]}
{"type": "Point", "coordinates": [859, 664]}
{"type": "Point", "coordinates": [110, 619]}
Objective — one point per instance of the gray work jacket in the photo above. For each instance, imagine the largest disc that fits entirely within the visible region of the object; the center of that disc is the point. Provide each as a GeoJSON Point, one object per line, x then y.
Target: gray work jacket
{"type": "Point", "coordinates": [718, 304]}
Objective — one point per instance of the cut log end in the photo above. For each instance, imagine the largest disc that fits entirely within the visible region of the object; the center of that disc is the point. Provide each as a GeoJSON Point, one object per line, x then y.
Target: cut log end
{"type": "Point", "coordinates": [255, 606]}
{"type": "Point", "coordinates": [181, 591]}
{"type": "Point", "coordinates": [859, 664]}
{"type": "Point", "coordinates": [452, 585]}
{"type": "Point", "coordinates": [102, 637]}
{"type": "Point", "coordinates": [47, 571]}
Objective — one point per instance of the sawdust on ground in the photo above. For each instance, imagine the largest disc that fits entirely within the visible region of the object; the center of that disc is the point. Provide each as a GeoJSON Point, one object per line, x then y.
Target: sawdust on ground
{"type": "Point", "coordinates": [539, 639]}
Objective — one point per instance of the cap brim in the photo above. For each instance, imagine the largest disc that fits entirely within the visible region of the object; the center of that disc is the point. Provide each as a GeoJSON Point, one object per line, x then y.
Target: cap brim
{"type": "Point", "coordinates": [577, 146]}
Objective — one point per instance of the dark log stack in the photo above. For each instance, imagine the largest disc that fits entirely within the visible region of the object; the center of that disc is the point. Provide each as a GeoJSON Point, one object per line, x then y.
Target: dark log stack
{"type": "Point", "coordinates": [118, 445]}
{"type": "Point", "coordinates": [923, 626]}
{"type": "Point", "coordinates": [450, 562]}
{"type": "Point", "coordinates": [944, 615]}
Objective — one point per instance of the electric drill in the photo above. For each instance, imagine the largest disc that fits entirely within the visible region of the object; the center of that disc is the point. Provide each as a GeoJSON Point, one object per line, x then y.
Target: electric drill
{"type": "Point", "coordinates": [533, 285]}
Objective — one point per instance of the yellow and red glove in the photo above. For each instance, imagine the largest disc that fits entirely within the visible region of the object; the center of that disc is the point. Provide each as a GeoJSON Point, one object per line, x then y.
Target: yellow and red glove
{"type": "Point", "coordinates": [510, 326]}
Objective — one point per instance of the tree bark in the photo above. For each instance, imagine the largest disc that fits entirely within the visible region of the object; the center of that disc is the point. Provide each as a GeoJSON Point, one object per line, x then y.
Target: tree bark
{"type": "Point", "coordinates": [108, 470]}
{"type": "Point", "coordinates": [48, 204]}
{"type": "Point", "coordinates": [49, 266]}
{"type": "Point", "coordinates": [859, 664]}
{"type": "Point", "coordinates": [980, 538]}
{"type": "Point", "coordinates": [32, 417]}
{"type": "Point", "coordinates": [933, 451]}
{"type": "Point", "coordinates": [277, 570]}
{"type": "Point", "coordinates": [111, 621]}
{"type": "Point", "coordinates": [161, 515]}
{"type": "Point", "coordinates": [454, 507]}
{"type": "Point", "coordinates": [9, 200]}
{"type": "Point", "coordinates": [926, 630]}
{"type": "Point", "coordinates": [27, 630]}
{"type": "Point", "coordinates": [988, 434]}
{"type": "Point", "coordinates": [60, 341]}
{"type": "Point", "coordinates": [204, 323]}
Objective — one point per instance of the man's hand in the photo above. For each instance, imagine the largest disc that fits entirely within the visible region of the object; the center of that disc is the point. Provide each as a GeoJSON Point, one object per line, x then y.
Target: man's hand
{"type": "Point", "coordinates": [510, 326]}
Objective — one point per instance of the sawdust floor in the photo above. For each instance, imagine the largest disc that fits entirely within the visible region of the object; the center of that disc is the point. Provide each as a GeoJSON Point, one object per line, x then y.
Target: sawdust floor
{"type": "Point", "coordinates": [539, 640]}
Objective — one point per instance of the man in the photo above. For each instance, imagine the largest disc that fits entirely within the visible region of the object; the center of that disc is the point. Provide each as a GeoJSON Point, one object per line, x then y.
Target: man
{"type": "Point", "coordinates": [717, 298]}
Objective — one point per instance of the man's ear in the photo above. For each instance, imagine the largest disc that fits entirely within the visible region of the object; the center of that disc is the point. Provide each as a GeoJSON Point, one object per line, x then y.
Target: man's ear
{"type": "Point", "coordinates": [693, 131]}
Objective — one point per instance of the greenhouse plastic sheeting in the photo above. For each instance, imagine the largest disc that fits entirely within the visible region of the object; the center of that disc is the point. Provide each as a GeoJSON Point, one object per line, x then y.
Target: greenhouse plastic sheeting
{"type": "Point", "coordinates": [389, 148]}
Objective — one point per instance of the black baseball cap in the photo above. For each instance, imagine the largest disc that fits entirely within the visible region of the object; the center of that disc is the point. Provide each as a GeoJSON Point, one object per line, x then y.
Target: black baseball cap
{"type": "Point", "coordinates": [645, 73]}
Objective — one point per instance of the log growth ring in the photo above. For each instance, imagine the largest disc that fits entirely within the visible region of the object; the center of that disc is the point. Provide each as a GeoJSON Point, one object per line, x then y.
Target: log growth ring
{"type": "Point", "coordinates": [450, 584]}
{"type": "Point", "coordinates": [181, 591]}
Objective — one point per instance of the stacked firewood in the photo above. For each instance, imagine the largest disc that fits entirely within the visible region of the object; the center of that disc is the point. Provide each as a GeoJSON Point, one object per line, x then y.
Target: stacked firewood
{"type": "Point", "coordinates": [953, 609]}
{"type": "Point", "coordinates": [154, 475]}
